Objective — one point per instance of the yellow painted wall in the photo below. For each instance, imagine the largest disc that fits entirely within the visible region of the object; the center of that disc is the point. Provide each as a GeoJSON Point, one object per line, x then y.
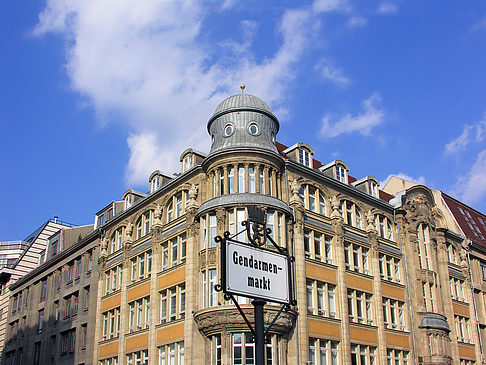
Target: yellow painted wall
{"type": "Point", "coordinates": [461, 309]}
{"type": "Point", "coordinates": [172, 278]}
{"type": "Point", "coordinates": [112, 302]}
{"type": "Point", "coordinates": [466, 351]}
{"type": "Point", "coordinates": [108, 350]}
{"type": "Point", "coordinates": [320, 273]}
{"type": "Point", "coordinates": [394, 339]}
{"type": "Point", "coordinates": [320, 328]}
{"type": "Point", "coordinates": [362, 334]}
{"type": "Point", "coordinates": [170, 333]}
{"type": "Point", "coordinates": [391, 291]}
{"type": "Point", "coordinates": [136, 342]}
{"type": "Point", "coordinates": [139, 291]}
{"type": "Point", "coordinates": [357, 282]}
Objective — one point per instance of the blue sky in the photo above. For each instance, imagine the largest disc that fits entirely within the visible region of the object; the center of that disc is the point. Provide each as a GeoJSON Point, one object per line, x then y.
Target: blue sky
{"type": "Point", "coordinates": [95, 95]}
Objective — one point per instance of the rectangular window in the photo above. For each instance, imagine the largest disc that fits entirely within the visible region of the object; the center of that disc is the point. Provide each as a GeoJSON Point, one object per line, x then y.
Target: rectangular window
{"type": "Point", "coordinates": [321, 298]}
{"type": "Point", "coordinates": [360, 307]}
{"type": "Point", "coordinates": [139, 314]}
{"type": "Point", "coordinates": [43, 290]}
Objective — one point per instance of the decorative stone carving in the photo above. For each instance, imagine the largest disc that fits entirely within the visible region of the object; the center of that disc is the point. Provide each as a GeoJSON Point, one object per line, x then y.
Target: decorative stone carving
{"type": "Point", "coordinates": [128, 231]}
{"type": "Point", "coordinates": [335, 205]}
{"type": "Point", "coordinates": [370, 219]}
{"type": "Point", "coordinates": [295, 190]}
{"type": "Point", "coordinates": [217, 320]}
{"type": "Point", "coordinates": [158, 214]}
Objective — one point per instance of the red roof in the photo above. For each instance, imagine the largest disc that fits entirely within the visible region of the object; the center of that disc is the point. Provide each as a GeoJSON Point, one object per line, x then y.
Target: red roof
{"type": "Point", "coordinates": [471, 222]}
{"type": "Point", "coordinates": [316, 164]}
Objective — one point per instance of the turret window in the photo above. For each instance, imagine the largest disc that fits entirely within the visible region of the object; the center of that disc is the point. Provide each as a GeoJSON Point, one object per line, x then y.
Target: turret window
{"type": "Point", "coordinates": [253, 129]}
{"type": "Point", "coordinates": [228, 130]}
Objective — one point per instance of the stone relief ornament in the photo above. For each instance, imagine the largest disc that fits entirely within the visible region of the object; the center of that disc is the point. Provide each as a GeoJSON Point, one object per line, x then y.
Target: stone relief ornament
{"type": "Point", "coordinates": [335, 205]}
{"type": "Point", "coordinates": [158, 212]}
{"type": "Point", "coordinates": [370, 219]}
{"type": "Point", "coordinates": [193, 192]}
{"type": "Point", "coordinates": [418, 209]}
{"type": "Point", "coordinates": [129, 230]}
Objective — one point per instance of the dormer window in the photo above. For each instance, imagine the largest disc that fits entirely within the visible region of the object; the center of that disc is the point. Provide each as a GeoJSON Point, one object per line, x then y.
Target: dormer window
{"type": "Point", "coordinates": [128, 201]}
{"type": "Point", "coordinates": [155, 183]}
{"type": "Point", "coordinates": [372, 188]}
{"type": "Point", "coordinates": [341, 174]}
{"type": "Point", "coordinates": [304, 157]}
{"type": "Point", "coordinates": [187, 163]}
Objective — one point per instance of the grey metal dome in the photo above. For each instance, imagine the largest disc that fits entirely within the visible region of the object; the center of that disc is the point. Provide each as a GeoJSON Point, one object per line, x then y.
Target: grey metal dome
{"type": "Point", "coordinates": [243, 121]}
{"type": "Point", "coordinates": [244, 101]}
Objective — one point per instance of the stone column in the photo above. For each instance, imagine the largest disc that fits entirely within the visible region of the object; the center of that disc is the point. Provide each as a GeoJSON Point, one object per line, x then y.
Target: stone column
{"type": "Point", "coordinates": [300, 274]}
{"type": "Point", "coordinates": [342, 289]}
{"type": "Point", "coordinates": [101, 286]}
{"type": "Point", "coordinates": [156, 232]}
{"type": "Point", "coordinates": [191, 334]}
{"type": "Point", "coordinates": [377, 290]}
{"type": "Point", "coordinates": [247, 178]}
{"type": "Point", "coordinates": [266, 182]}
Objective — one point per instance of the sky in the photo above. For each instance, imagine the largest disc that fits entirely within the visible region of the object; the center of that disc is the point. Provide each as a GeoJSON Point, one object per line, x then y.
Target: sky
{"type": "Point", "coordinates": [95, 95]}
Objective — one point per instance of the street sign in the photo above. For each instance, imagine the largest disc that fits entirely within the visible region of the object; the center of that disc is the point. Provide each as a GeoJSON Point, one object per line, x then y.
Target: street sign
{"type": "Point", "coordinates": [256, 272]}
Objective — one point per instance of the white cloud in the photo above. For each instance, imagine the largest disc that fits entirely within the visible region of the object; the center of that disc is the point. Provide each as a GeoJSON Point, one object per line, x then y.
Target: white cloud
{"type": "Point", "coordinates": [320, 6]}
{"type": "Point", "coordinates": [472, 188]}
{"type": "Point", "coordinates": [420, 180]}
{"type": "Point", "coordinates": [331, 73]}
{"type": "Point", "coordinates": [144, 64]}
{"type": "Point", "coordinates": [356, 21]}
{"type": "Point", "coordinates": [471, 133]}
{"type": "Point", "coordinates": [481, 24]}
{"type": "Point", "coordinates": [387, 8]}
{"type": "Point", "coordinates": [362, 123]}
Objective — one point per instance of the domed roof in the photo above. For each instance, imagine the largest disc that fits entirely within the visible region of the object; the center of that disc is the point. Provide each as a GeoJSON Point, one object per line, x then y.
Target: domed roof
{"type": "Point", "coordinates": [242, 102]}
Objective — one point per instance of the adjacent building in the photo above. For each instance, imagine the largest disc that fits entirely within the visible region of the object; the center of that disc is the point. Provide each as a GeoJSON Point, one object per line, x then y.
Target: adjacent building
{"type": "Point", "coordinates": [375, 276]}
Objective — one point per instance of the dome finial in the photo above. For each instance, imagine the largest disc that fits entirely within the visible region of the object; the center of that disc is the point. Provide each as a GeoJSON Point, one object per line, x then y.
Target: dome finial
{"type": "Point", "coordinates": [242, 87]}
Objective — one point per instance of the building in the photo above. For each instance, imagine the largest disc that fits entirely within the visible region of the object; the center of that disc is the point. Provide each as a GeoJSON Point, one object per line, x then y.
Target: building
{"type": "Point", "coordinates": [372, 275]}
{"type": "Point", "coordinates": [17, 258]}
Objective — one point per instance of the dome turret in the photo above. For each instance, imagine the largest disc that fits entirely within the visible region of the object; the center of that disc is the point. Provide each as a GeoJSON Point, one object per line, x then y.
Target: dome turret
{"type": "Point", "coordinates": [243, 121]}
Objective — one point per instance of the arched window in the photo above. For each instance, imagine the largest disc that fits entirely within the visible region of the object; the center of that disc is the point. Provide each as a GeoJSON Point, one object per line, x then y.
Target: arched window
{"type": "Point", "coordinates": [423, 235]}
{"type": "Point", "coordinates": [314, 199]}
{"type": "Point", "coordinates": [384, 226]}
{"type": "Point", "coordinates": [351, 214]}
{"type": "Point", "coordinates": [116, 240]}
{"type": "Point", "coordinates": [177, 205]}
{"type": "Point", "coordinates": [144, 223]}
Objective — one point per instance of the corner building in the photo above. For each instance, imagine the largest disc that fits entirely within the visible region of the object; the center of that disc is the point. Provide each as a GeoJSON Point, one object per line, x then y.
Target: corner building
{"type": "Point", "coordinates": [371, 268]}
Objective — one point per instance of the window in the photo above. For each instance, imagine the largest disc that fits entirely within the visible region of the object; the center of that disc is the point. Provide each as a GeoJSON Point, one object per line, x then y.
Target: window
{"type": "Point", "coordinates": [276, 222]}
{"type": "Point", "coordinates": [393, 314]}
{"type": "Point", "coordinates": [40, 322]}
{"type": "Point", "coordinates": [139, 314]}
{"type": "Point", "coordinates": [428, 292]}
{"type": "Point", "coordinates": [424, 246]}
{"type": "Point", "coordinates": [170, 352]}
{"type": "Point", "coordinates": [383, 226]}
{"type": "Point", "coordinates": [457, 289]}
{"type": "Point", "coordinates": [241, 179]}
{"type": "Point", "coordinates": [43, 290]}
{"type": "Point", "coordinates": [341, 174]}
{"type": "Point", "coordinates": [56, 310]}
{"type": "Point", "coordinates": [362, 355]}
{"type": "Point", "coordinates": [174, 251]}
{"type": "Point", "coordinates": [37, 352]}
{"type": "Point", "coordinates": [356, 257]}
{"type": "Point", "coordinates": [111, 323]}
{"type": "Point", "coordinates": [253, 128]}
{"type": "Point", "coordinates": [86, 298]}
{"type": "Point", "coordinates": [208, 230]}
{"type": "Point", "coordinates": [360, 307]}
{"type": "Point", "coordinates": [304, 157]}
{"type": "Point", "coordinates": [144, 223]}
{"type": "Point", "coordinates": [208, 292]}
{"type": "Point", "coordinates": [172, 303]}
{"type": "Point", "coordinates": [351, 214]}
{"type": "Point", "coordinates": [176, 205]}
{"type": "Point", "coordinates": [321, 298]}
{"type": "Point", "coordinates": [84, 335]}
{"type": "Point", "coordinates": [390, 268]}
{"type": "Point", "coordinates": [323, 352]}
{"type": "Point", "coordinates": [228, 130]}
{"type": "Point", "coordinates": [109, 361]}
{"type": "Point", "coordinates": [137, 358]}
{"type": "Point", "coordinates": [155, 183]}
{"type": "Point", "coordinates": [54, 247]}
{"type": "Point", "coordinates": [314, 199]}
{"type": "Point", "coordinates": [452, 254]}
{"type": "Point", "coordinates": [462, 329]}
{"type": "Point", "coordinates": [244, 350]}
{"type": "Point", "coordinates": [77, 266]}
{"type": "Point", "coordinates": [483, 270]}
{"type": "Point", "coordinates": [372, 188]}
{"type": "Point", "coordinates": [396, 357]}
{"type": "Point", "coordinates": [251, 179]}
{"type": "Point", "coordinates": [467, 362]}
{"type": "Point", "coordinates": [52, 346]}
{"type": "Point", "coordinates": [318, 246]}
{"type": "Point", "coordinates": [113, 279]}
{"type": "Point", "coordinates": [141, 266]}
{"type": "Point", "coordinates": [71, 305]}
{"type": "Point", "coordinates": [128, 201]}
{"type": "Point", "coordinates": [116, 240]}
{"type": "Point", "coordinates": [187, 163]}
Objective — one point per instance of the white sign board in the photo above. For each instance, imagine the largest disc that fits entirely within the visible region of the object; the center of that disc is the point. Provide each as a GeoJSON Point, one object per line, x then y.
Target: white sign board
{"type": "Point", "coordinates": [256, 273]}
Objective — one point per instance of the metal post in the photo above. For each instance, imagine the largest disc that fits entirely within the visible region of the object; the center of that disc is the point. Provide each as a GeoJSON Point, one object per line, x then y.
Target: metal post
{"type": "Point", "coordinates": [259, 331]}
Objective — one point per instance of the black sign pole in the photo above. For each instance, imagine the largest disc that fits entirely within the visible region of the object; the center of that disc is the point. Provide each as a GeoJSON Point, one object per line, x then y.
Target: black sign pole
{"type": "Point", "coordinates": [259, 331]}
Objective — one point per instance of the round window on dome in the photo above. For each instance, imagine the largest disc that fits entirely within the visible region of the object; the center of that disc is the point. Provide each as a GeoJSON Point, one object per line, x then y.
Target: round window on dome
{"type": "Point", "coordinates": [253, 129]}
{"type": "Point", "coordinates": [228, 129]}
